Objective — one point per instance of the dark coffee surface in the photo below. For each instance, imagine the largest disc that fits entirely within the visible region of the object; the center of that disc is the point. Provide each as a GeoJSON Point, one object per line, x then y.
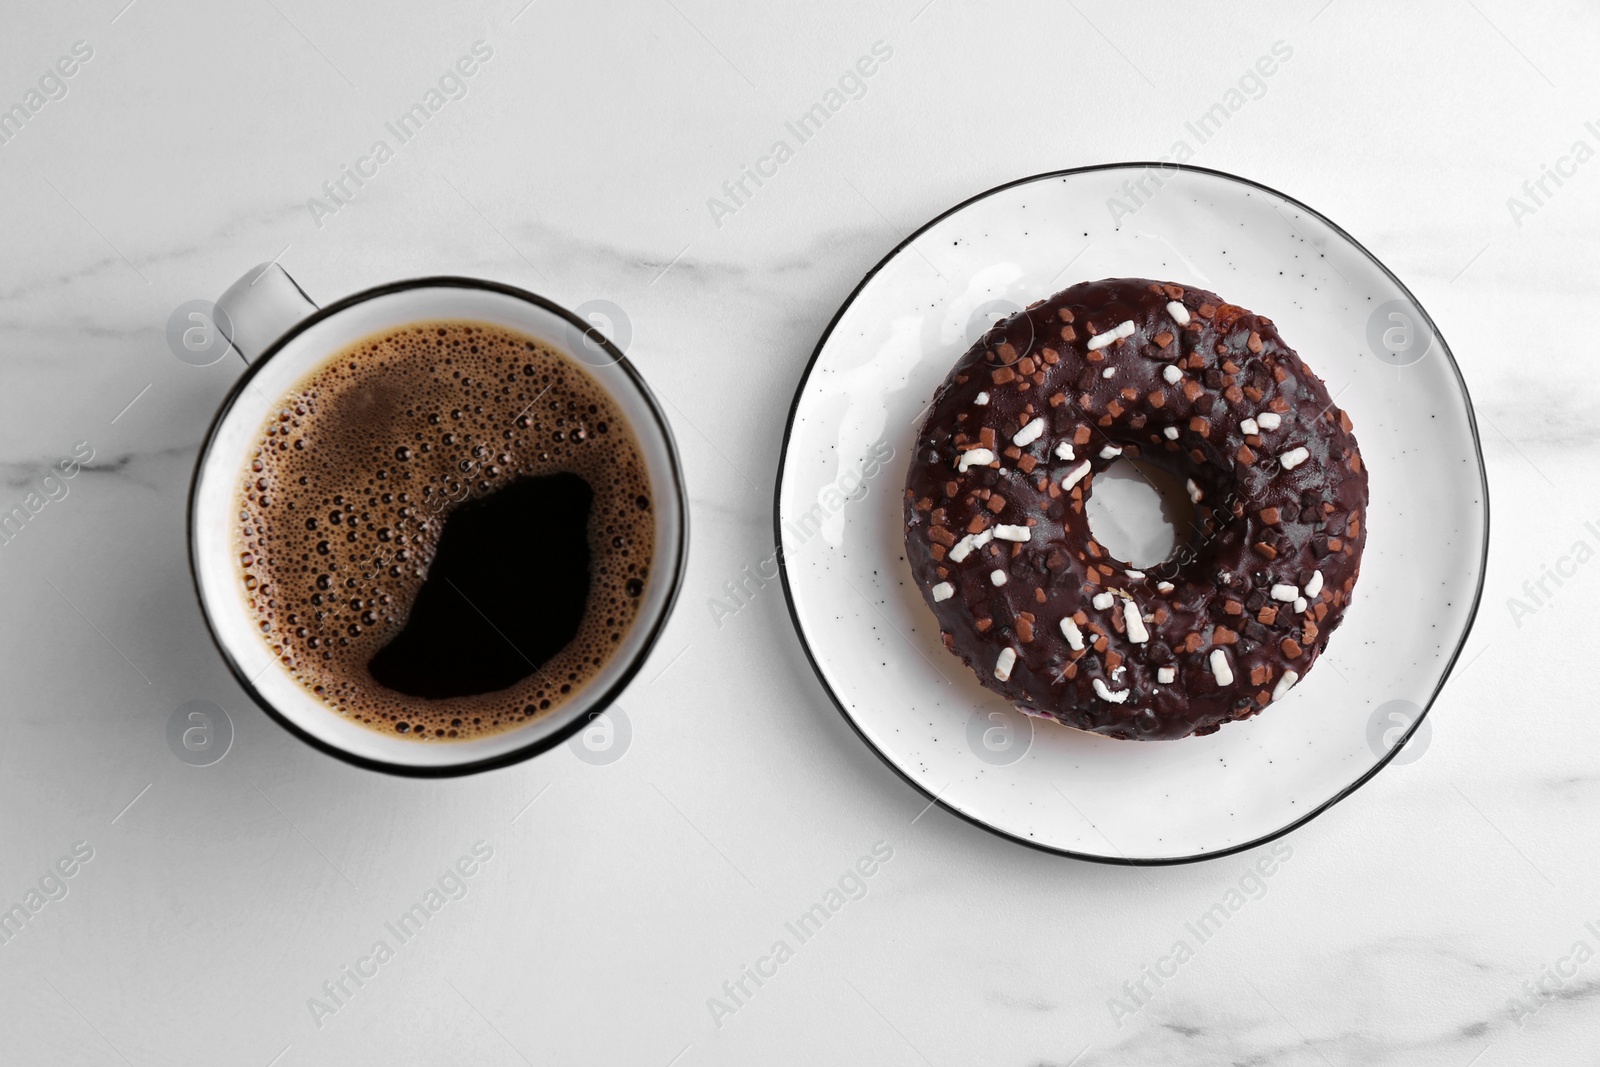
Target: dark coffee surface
{"type": "Point", "coordinates": [445, 530]}
{"type": "Point", "coordinates": [469, 631]}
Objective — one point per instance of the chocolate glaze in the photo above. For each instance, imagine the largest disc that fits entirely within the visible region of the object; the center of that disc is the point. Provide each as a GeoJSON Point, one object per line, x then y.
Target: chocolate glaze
{"type": "Point", "coordinates": [1258, 522]}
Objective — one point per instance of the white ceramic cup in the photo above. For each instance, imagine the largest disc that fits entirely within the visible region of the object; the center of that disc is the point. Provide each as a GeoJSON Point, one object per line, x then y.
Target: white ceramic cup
{"type": "Point", "coordinates": [283, 336]}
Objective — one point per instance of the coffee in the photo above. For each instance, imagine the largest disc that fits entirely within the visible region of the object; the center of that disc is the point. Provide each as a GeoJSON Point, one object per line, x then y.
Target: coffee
{"type": "Point", "coordinates": [445, 530]}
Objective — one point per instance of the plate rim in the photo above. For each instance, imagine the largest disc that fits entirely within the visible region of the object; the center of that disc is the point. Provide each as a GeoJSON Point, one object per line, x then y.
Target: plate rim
{"type": "Point", "coordinates": [1130, 861]}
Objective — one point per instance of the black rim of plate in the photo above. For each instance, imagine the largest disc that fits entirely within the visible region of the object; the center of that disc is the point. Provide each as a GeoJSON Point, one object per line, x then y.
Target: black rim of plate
{"type": "Point", "coordinates": [1125, 861]}
{"type": "Point", "coordinates": [675, 579]}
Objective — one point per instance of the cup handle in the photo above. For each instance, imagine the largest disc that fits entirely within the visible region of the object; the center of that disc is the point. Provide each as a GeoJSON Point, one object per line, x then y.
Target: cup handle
{"type": "Point", "coordinates": [259, 308]}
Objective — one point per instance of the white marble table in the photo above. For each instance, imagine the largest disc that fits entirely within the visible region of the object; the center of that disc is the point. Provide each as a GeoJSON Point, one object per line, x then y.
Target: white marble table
{"type": "Point", "coordinates": [1433, 918]}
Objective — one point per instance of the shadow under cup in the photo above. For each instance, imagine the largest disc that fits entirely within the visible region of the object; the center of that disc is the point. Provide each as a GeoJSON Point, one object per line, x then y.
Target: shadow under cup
{"type": "Point", "coordinates": [228, 447]}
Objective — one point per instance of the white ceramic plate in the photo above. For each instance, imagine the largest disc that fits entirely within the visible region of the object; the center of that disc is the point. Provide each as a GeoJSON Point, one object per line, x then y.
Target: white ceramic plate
{"type": "Point", "coordinates": [874, 643]}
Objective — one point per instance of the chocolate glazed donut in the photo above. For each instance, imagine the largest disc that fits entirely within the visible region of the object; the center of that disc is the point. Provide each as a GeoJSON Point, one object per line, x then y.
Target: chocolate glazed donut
{"type": "Point", "coordinates": [999, 543]}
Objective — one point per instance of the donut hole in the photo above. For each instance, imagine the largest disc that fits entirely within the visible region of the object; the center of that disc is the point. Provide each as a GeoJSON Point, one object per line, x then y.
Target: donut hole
{"type": "Point", "coordinates": [1136, 511]}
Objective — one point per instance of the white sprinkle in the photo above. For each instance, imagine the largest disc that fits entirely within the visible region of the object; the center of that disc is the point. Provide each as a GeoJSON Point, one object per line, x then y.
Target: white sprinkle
{"type": "Point", "coordinates": [1029, 433]}
{"type": "Point", "coordinates": [1170, 433]}
{"type": "Point", "coordinates": [943, 591]}
{"type": "Point", "coordinates": [1164, 587]}
{"type": "Point", "coordinates": [1166, 675]}
{"type": "Point", "coordinates": [997, 577]}
{"type": "Point", "coordinates": [1103, 600]}
{"type": "Point", "coordinates": [1194, 491]}
{"type": "Point", "coordinates": [1179, 313]}
{"type": "Point", "coordinates": [1285, 592]}
{"type": "Point", "coordinates": [1073, 635]}
{"type": "Point", "coordinates": [1013, 533]}
{"type": "Point", "coordinates": [1075, 475]}
{"type": "Point", "coordinates": [1269, 420]}
{"type": "Point", "coordinates": [1285, 684]}
{"type": "Point", "coordinates": [1293, 458]}
{"type": "Point", "coordinates": [1064, 450]}
{"type": "Point", "coordinates": [1172, 374]}
{"type": "Point", "coordinates": [1003, 665]}
{"type": "Point", "coordinates": [1107, 695]}
{"type": "Point", "coordinates": [1136, 631]}
{"type": "Point", "coordinates": [1136, 576]}
{"type": "Point", "coordinates": [961, 548]}
{"type": "Point", "coordinates": [1116, 333]}
{"type": "Point", "coordinates": [982, 398]}
{"type": "Point", "coordinates": [1108, 372]}
{"type": "Point", "coordinates": [1299, 604]}
{"type": "Point", "coordinates": [974, 457]}
{"type": "Point", "coordinates": [1249, 427]}
{"type": "Point", "coordinates": [1220, 669]}
{"type": "Point", "coordinates": [1110, 452]}
{"type": "Point", "coordinates": [1314, 586]}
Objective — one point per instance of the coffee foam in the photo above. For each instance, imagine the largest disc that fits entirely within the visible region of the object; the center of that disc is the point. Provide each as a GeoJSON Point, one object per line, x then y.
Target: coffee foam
{"type": "Point", "coordinates": [358, 468]}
